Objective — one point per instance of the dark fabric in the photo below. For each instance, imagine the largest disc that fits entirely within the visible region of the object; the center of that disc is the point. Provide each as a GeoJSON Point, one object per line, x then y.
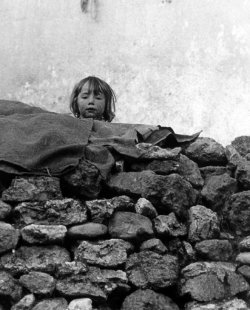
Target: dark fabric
{"type": "Point", "coordinates": [39, 142]}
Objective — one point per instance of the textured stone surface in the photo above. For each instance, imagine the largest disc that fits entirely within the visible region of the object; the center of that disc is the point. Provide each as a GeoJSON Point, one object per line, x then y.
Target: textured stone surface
{"type": "Point", "coordinates": [96, 284]}
{"type": "Point", "coordinates": [244, 271]}
{"type": "Point", "coordinates": [203, 224]}
{"type": "Point", "coordinates": [52, 304]}
{"type": "Point", "coordinates": [243, 258]}
{"type": "Point", "coordinates": [9, 287]}
{"type": "Point", "coordinates": [183, 250]}
{"type": "Point", "coordinates": [44, 234]}
{"type": "Point", "coordinates": [84, 180]}
{"type": "Point", "coordinates": [242, 175]}
{"type": "Point", "coordinates": [148, 299]}
{"type": "Point", "coordinates": [38, 283]}
{"type": "Point", "coordinates": [205, 282]}
{"type": "Point", "coordinates": [163, 167]}
{"type": "Point", "coordinates": [40, 188]}
{"type": "Point", "coordinates": [9, 237]}
{"type": "Point", "coordinates": [216, 250]}
{"type": "Point", "coordinates": [130, 226]}
{"type": "Point", "coordinates": [145, 207]}
{"type": "Point", "coordinates": [54, 212]}
{"type": "Point", "coordinates": [242, 144]}
{"type": "Point", "coordinates": [80, 304]}
{"type": "Point", "coordinates": [150, 151]}
{"type": "Point", "coordinates": [70, 268]}
{"type": "Point", "coordinates": [25, 259]}
{"type": "Point", "coordinates": [206, 152]}
{"type": "Point", "coordinates": [233, 157]}
{"type": "Point", "coordinates": [169, 226]}
{"type": "Point", "coordinates": [5, 210]}
{"type": "Point", "coordinates": [190, 171]}
{"type": "Point", "coordinates": [244, 244]}
{"type": "Point", "coordinates": [102, 209]}
{"type": "Point", "coordinates": [234, 304]}
{"type": "Point", "coordinates": [107, 253]}
{"type": "Point", "coordinates": [217, 189]}
{"type": "Point", "coordinates": [236, 213]}
{"type": "Point", "coordinates": [151, 270]}
{"type": "Point", "coordinates": [87, 231]}
{"type": "Point", "coordinates": [26, 303]}
{"type": "Point", "coordinates": [154, 245]}
{"type": "Point", "coordinates": [208, 171]}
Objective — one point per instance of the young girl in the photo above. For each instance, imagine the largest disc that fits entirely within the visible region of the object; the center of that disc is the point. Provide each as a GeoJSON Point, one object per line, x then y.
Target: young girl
{"type": "Point", "coordinates": [93, 98]}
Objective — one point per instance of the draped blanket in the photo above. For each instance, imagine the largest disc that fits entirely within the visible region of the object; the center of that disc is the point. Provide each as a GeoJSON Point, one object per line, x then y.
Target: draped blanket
{"type": "Point", "coordinates": [34, 141]}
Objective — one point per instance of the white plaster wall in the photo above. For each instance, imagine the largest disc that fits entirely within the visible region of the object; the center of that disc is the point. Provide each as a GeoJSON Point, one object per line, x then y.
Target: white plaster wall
{"type": "Point", "coordinates": [178, 63]}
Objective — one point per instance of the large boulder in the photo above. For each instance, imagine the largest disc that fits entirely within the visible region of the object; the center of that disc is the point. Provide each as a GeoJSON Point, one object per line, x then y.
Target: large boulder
{"type": "Point", "coordinates": [205, 282]}
{"type": "Point", "coordinates": [101, 210]}
{"type": "Point", "coordinates": [26, 303]}
{"type": "Point", "coordinates": [208, 171]}
{"type": "Point", "coordinates": [106, 253]}
{"type": "Point", "coordinates": [44, 234]}
{"type": "Point", "coordinates": [206, 152]}
{"type": "Point", "coordinates": [148, 269]}
{"type": "Point", "coordinates": [52, 304]}
{"type": "Point", "coordinates": [84, 180]}
{"type": "Point", "coordinates": [242, 145]}
{"type": "Point", "coordinates": [96, 284]}
{"type": "Point", "coordinates": [9, 287]}
{"type": "Point", "coordinates": [53, 212]}
{"type": "Point", "coordinates": [143, 299]}
{"type": "Point", "coordinates": [236, 213]}
{"type": "Point", "coordinates": [25, 259]}
{"type": "Point", "coordinates": [217, 189]}
{"type": "Point", "coordinates": [214, 249]}
{"type": "Point", "coordinates": [80, 304]}
{"type": "Point", "coordinates": [9, 237]}
{"type": "Point", "coordinates": [130, 226]}
{"type": "Point", "coordinates": [88, 230]}
{"type": "Point", "coordinates": [169, 226]}
{"type": "Point", "coordinates": [39, 283]}
{"type": "Point", "coordinates": [154, 245]}
{"type": "Point", "coordinates": [39, 188]}
{"type": "Point", "coordinates": [163, 167]}
{"type": "Point", "coordinates": [203, 224]}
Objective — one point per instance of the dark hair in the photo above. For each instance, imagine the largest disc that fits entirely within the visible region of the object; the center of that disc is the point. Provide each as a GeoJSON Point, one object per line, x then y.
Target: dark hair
{"type": "Point", "coordinates": [97, 85]}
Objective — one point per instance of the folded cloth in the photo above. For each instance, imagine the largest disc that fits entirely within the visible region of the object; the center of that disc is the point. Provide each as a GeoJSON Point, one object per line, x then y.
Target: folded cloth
{"type": "Point", "coordinates": [35, 141]}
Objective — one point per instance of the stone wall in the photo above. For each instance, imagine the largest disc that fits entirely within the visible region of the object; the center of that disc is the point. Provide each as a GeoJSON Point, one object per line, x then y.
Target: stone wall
{"type": "Point", "coordinates": [168, 231]}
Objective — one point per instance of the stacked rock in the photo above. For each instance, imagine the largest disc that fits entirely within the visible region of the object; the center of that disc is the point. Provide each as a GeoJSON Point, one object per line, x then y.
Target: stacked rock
{"type": "Point", "coordinates": [167, 231]}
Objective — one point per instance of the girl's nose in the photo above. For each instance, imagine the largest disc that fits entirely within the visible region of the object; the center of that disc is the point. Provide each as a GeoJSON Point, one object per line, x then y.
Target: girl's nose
{"type": "Point", "coordinates": [91, 99]}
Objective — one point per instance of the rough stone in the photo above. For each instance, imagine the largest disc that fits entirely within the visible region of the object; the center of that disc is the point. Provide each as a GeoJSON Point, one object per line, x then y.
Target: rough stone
{"type": "Point", "coordinates": [243, 258]}
{"type": "Point", "coordinates": [39, 283]}
{"type": "Point", "coordinates": [26, 259]}
{"type": "Point", "coordinates": [80, 304]}
{"type": "Point", "coordinates": [52, 304]}
{"type": "Point", "coordinates": [87, 231]}
{"type": "Point", "coordinates": [217, 189]}
{"type": "Point", "coordinates": [245, 272]}
{"type": "Point", "coordinates": [233, 157]}
{"type": "Point", "coordinates": [244, 244]}
{"type": "Point", "coordinates": [145, 207]}
{"type": "Point", "coordinates": [130, 226]}
{"type": "Point", "coordinates": [242, 145]}
{"type": "Point", "coordinates": [242, 175]}
{"type": "Point", "coordinates": [216, 250]}
{"type": "Point", "coordinates": [206, 152]}
{"type": "Point", "coordinates": [169, 226]}
{"type": "Point", "coordinates": [96, 284]}
{"type": "Point", "coordinates": [190, 171]}
{"type": "Point", "coordinates": [9, 237]}
{"type": "Point", "coordinates": [169, 193]}
{"type": "Point", "coordinates": [9, 287]}
{"type": "Point", "coordinates": [203, 224]}
{"type": "Point", "coordinates": [163, 167]}
{"type": "Point", "coordinates": [143, 299]}
{"type": "Point", "coordinates": [70, 268]}
{"type": "Point", "coordinates": [234, 304]}
{"type": "Point", "coordinates": [26, 303]}
{"type": "Point", "coordinates": [183, 250]}
{"type": "Point", "coordinates": [208, 171]}
{"type": "Point", "coordinates": [154, 245]}
{"type": "Point", "coordinates": [5, 210]}
{"type": "Point", "coordinates": [54, 212]}
{"type": "Point", "coordinates": [107, 253]}
{"type": "Point", "coordinates": [44, 234]}
{"type": "Point", "coordinates": [84, 180]}
{"type": "Point", "coordinates": [150, 151]}
{"type": "Point", "coordinates": [236, 213]}
{"type": "Point", "coordinates": [205, 282]}
{"type": "Point", "coordinates": [39, 188]}
{"type": "Point", "coordinates": [101, 210]}
{"type": "Point", "coordinates": [148, 269]}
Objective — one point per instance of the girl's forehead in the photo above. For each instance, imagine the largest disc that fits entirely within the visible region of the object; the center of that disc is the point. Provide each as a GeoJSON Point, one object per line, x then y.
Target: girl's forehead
{"type": "Point", "coordinates": [89, 87]}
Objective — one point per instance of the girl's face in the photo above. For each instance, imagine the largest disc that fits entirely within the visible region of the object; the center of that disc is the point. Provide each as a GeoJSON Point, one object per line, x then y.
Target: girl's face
{"type": "Point", "coordinates": [91, 104]}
